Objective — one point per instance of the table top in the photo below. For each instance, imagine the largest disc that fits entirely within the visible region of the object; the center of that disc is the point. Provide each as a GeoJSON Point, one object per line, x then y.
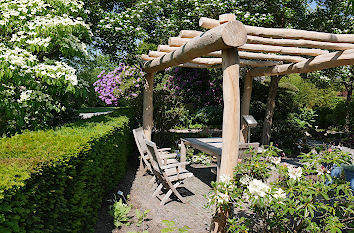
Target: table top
{"type": "Point", "coordinates": [213, 145]}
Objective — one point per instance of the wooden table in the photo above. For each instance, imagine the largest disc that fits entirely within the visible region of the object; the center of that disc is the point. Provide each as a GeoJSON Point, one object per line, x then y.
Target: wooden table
{"type": "Point", "coordinates": [211, 146]}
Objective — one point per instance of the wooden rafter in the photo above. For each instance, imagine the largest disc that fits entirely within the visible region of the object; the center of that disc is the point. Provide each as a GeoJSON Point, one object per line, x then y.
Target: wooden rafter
{"type": "Point", "coordinates": [213, 61]}
{"type": "Point", "coordinates": [229, 35]}
{"type": "Point", "coordinates": [243, 54]}
{"type": "Point", "coordinates": [177, 42]}
{"type": "Point", "coordinates": [321, 62]}
{"type": "Point", "coordinates": [281, 42]}
{"type": "Point", "coordinates": [280, 32]}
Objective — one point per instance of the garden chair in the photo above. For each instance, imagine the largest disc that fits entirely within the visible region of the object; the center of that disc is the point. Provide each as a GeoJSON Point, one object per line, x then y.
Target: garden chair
{"type": "Point", "coordinates": [168, 176]}
{"type": "Point", "coordinates": [139, 137]}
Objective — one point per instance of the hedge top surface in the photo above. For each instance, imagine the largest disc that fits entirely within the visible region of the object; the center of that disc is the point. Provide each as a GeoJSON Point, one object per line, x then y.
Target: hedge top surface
{"type": "Point", "coordinates": [24, 154]}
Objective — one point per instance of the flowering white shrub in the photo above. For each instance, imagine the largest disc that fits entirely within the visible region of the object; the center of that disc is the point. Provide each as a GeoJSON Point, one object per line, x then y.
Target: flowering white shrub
{"type": "Point", "coordinates": [294, 172]}
{"type": "Point", "coordinates": [35, 37]}
{"type": "Point", "coordinates": [257, 188]}
{"type": "Point", "coordinates": [301, 199]}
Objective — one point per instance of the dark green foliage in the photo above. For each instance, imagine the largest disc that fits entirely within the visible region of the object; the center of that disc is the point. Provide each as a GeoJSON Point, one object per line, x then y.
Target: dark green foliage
{"type": "Point", "coordinates": [54, 180]}
{"type": "Point", "coordinates": [334, 115]}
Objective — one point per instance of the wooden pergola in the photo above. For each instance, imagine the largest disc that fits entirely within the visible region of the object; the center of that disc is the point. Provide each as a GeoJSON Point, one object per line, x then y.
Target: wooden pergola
{"type": "Point", "coordinates": [271, 51]}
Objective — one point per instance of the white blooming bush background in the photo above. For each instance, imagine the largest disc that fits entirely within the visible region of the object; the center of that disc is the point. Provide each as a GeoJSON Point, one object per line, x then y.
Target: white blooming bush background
{"type": "Point", "coordinates": [151, 20]}
{"type": "Point", "coordinates": [295, 199]}
{"type": "Point", "coordinates": [36, 36]}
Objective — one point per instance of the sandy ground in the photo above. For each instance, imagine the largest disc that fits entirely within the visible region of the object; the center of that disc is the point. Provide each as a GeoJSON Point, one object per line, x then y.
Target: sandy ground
{"type": "Point", "coordinates": [191, 214]}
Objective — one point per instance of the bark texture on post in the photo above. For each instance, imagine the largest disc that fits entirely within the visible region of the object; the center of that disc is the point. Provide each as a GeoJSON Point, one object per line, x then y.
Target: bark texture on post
{"type": "Point", "coordinates": [267, 124]}
{"type": "Point", "coordinates": [148, 105]}
{"type": "Point", "coordinates": [245, 106]}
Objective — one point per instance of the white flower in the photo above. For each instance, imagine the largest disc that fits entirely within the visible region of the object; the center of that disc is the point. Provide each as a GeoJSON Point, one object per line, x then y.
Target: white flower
{"type": "Point", "coordinates": [294, 172]}
{"type": "Point", "coordinates": [222, 197]}
{"type": "Point", "coordinates": [245, 180]}
{"type": "Point", "coordinates": [258, 188]}
{"type": "Point", "coordinates": [25, 95]}
{"type": "Point", "coordinates": [321, 170]}
{"type": "Point", "coordinates": [279, 194]}
{"type": "Point", "coordinates": [225, 179]}
{"type": "Point", "coordinates": [275, 160]}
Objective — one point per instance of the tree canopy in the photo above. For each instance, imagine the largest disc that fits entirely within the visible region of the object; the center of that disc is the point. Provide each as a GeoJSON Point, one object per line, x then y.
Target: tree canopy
{"type": "Point", "coordinates": [36, 36]}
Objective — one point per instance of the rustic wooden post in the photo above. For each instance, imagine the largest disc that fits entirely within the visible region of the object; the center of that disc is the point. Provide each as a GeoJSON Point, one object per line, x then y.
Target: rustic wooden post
{"type": "Point", "coordinates": [231, 116]}
{"type": "Point", "coordinates": [148, 105]}
{"type": "Point", "coordinates": [231, 125]}
{"type": "Point", "coordinates": [267, 124]}
{"type": "Point", "coordinates": [245, 106]}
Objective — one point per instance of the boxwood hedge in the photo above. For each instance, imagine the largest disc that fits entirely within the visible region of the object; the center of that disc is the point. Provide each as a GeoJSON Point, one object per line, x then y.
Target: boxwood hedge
{"type": "Point", "coordinates": [54, 180]}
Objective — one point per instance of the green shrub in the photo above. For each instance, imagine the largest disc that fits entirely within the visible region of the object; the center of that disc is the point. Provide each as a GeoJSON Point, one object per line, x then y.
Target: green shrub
{"type": "Point", "coordinates": [54, 180]}
{"type": "Point", "coordinates": [283, 198]}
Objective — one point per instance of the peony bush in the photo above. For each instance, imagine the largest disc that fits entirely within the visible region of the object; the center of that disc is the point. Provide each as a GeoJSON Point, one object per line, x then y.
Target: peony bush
{"type": "Point", "coordinates": [271, 196]}
{"type": "Point", "coordinates": [37, 37]}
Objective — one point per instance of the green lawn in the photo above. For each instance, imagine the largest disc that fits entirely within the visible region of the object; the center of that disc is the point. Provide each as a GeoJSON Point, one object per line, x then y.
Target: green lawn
{"type": "Point", "coordinates": [96, 109]}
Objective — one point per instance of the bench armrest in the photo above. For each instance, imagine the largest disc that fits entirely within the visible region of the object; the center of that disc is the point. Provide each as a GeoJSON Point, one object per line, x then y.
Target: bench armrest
{"type": "Point", "coordinates": [163, 149]}
{"type": "Point", "coordinates": [174, 165]}
{"type": "Point", "coordinates": [168, 155]}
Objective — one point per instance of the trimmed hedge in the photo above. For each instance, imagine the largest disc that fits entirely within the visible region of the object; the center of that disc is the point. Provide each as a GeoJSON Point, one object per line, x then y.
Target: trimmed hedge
{"type": "Point", "coordinates": [54, 180]}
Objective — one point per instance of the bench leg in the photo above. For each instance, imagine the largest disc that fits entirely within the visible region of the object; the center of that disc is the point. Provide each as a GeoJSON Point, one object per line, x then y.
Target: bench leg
{"type": "Point", "coordinates": [183, 154]}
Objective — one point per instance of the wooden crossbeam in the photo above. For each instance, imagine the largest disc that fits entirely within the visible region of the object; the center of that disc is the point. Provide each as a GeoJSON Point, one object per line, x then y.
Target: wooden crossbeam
{"type": "Point", "coordinates": [280, 42]}
{"type": "Point", "coordinates": [299, 43]}
{"type": "Point", "coordinates": [229, 35]}
{"type": "Point", "coordinates": [245, 55]}
{"type": "Point", "coordinates": [177, 42]}
{"type": "Point", "coordinates": [321, 62]}
{"type": "Point", "coordinates": [213, 61]}
{"type": "Point", "coordinates": [282, 32]}
{"type": "Point", "coordinates": [187, 64]}
{"type": "Point", "coordinates": [281, 50]}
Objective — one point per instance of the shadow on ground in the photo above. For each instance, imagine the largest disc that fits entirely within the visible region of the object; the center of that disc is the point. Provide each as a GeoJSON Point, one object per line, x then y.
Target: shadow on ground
{"type": "Point", "coordinates": [104, 219]}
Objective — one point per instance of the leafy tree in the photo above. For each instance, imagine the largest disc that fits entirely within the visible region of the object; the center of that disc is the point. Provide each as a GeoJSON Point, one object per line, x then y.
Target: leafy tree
{"type": "Point", "coordinates": [36, 36]}
{"type": "Point", "coordinates": [333, 16]}
{"type": "Point", "coordinates": [121, 30]}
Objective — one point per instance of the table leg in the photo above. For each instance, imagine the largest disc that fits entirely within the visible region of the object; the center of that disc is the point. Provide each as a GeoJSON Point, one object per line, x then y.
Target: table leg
{"type": "Point", "coordinates": [218, 163]}
{"type": "Point", "coordinates": [183, 153]}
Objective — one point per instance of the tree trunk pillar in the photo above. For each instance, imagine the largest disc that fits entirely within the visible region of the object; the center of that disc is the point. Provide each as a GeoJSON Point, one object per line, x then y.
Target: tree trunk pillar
{"type": "Point", "coordinates": [231, 115]}
{"type": "Point", "coordinates": [245, 106]}
{"type": "Point", "coordinates": [349, 89]}
{"type": "Point", "coordinates": [230, 127]}
{"type": "Point", "coordinates": [267, 124]}
{"type": "Point", "coordinates": [148, 105]}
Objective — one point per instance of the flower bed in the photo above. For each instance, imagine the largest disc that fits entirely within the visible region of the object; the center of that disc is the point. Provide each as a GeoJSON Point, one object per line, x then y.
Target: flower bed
{"type": "Point", "coordinates": [54, 180]}
{"type": "Point", "coordinates": [282, 198]}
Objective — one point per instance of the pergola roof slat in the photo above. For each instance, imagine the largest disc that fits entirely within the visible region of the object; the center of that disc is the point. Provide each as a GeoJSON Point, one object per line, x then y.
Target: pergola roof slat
{"type": "Point", "coordinates": [186, 64]}
{"type": "Point", "coordinates": [284, 32]}
{"type": "Point", "coordinates": [299, 43]}
{"type": "Point", "coordinates": [213, 61]}
{"type": "Point", "coordinates": [280, 42]}
{"type": "Point", "coordinates": [325, 61]}
{"type": "Point", "coordinates": [245, 55]}
{"type": "Point", "coordinates": [177, 41]}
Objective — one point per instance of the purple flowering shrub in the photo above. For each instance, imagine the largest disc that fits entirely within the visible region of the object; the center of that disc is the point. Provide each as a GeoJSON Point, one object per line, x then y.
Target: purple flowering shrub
{"type": "Point", "coordinates": [196, 86]}
{"type": "Point", "coordinates": [124, 82]}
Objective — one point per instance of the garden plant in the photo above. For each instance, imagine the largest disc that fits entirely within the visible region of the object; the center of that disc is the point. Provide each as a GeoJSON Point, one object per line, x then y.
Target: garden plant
{"type": "Point", "coordinates": [36, 82]}
{"type": "Point", "coordinates": [281, 197]}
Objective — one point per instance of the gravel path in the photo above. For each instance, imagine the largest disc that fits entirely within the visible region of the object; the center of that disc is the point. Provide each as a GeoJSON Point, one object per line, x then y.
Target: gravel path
{"type": "Point", "coordinates": [192, 214]}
